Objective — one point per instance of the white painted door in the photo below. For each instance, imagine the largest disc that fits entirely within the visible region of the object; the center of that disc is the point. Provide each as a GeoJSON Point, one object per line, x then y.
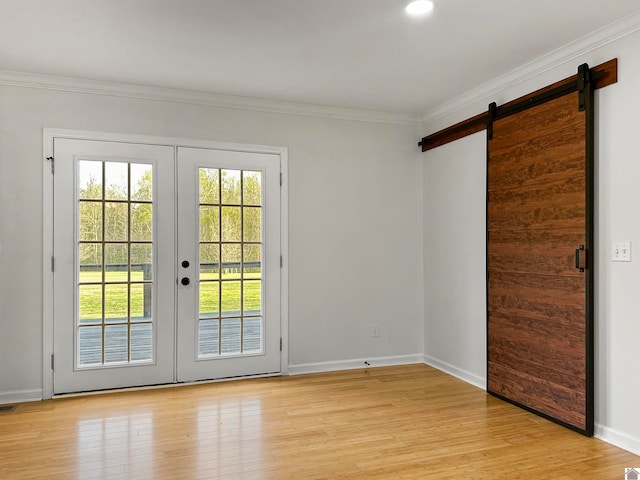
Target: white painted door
{"type": "Point", "coordinates": [228, 264]}
{"type": "Point", "coordinates": [154, 284]}
{"type": "Point", "coordinates": [114, 273]}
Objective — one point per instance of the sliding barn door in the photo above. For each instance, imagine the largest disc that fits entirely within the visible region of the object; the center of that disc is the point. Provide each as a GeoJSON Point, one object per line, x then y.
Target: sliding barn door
{"type": "Point", "coordinates": [539, 255]}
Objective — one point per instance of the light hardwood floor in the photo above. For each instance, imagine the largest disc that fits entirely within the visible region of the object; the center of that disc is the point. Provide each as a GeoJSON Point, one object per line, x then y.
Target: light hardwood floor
{"type": "Point", "coordinates": [408, 422]}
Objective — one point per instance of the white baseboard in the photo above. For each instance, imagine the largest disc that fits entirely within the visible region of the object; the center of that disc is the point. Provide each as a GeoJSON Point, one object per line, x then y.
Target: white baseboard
{"type": "Point", "coordinates": [353, 364]}
{"type": "Point", "coordinates": [20, 396]}
{"type": "Point", "coordinates": [617, 438]}
{"type": "Point", "coordinates": [464, 375]}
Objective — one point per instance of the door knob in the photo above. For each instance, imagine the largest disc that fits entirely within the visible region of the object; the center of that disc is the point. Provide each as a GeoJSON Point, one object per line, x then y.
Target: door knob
{"type": "Point", "coordinates": [185, 264]}
{"type": "Point", "coordinates": [185, 281]}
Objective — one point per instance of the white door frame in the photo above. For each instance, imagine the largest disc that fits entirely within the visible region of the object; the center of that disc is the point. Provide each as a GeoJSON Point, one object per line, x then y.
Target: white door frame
{"type": "Point", "coordinates": [49, 134]}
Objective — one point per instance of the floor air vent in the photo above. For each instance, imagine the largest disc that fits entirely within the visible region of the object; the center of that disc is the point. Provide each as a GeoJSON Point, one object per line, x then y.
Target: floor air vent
{"type": "Point", "coordinates": [7, 408]}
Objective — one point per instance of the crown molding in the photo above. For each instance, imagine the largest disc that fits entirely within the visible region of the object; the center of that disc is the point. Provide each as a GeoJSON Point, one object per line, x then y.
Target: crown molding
{"type": "Point", "coordinates": [147, 92]}
{"type": "Point", "coordinates": [571, 51]}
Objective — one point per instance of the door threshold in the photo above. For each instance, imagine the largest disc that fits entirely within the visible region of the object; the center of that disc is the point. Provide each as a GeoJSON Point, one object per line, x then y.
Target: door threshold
{"type": "Point", "coordinates": [162, 385]}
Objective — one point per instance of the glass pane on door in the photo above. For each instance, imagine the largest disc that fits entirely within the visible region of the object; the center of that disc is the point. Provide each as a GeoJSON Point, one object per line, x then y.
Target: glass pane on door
{"type": "Point", "coordinates": [230, 320]}
{"type": "Point", "coordinates": [114, 246]}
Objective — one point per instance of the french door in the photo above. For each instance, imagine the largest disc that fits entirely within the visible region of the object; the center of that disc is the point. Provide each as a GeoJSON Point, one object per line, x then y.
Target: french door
{"type": "Point", "coordinates": [228, 263]}
{"type": "Point", "coordinates": [166, 264]}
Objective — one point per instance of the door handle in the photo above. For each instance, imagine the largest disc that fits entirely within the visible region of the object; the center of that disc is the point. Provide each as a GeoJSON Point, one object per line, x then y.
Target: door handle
{"type": "Point", "coordinates": [185, 281]}
{"type": "Point", "coordinates": [579, 265]}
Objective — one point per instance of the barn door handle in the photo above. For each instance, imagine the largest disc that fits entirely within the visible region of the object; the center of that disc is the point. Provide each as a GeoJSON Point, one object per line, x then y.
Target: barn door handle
{"type": "Point", "coordinates": [579, 264]}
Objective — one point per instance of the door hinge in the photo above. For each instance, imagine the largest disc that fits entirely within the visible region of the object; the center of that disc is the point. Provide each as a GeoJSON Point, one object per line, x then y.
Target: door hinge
{"type": "Point", "coordinates": [53, 164]}
{"type": "Point", "coordinates": [280, 261]}
{"type": "Point", "coordinates": [280, 343]}
{"type": "Point", "coordinates": [52, 361]}
{"type": "Point", "coordinates": [53, 264]}
{"type": "Point", "coordinates": [280, 178]}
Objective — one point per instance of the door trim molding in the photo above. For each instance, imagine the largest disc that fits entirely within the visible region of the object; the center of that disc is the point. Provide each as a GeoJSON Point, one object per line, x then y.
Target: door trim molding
{"type": "Point", "coordinates": [48, 137]}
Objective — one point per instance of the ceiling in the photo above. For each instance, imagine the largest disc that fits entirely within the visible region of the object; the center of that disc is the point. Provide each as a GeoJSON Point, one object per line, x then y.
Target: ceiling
{"type": "Point", "coordinates": [364, 54]}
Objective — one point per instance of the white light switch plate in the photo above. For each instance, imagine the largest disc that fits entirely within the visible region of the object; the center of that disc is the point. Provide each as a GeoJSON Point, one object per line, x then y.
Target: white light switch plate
{"type": "Point", "coordinates": [621, 252]}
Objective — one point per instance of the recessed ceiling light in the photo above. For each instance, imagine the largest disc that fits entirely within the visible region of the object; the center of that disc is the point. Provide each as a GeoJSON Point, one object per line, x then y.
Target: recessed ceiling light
{"type": "Point", "coordinates": [419, 7]}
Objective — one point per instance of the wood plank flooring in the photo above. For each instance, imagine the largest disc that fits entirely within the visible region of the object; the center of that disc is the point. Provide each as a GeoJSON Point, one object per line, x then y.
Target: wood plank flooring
{"type": "Point", "coordinates": [407, 422]}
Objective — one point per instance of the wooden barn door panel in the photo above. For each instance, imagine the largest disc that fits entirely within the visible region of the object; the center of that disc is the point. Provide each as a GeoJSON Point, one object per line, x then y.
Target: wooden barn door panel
{"type": "Point", "coordinates": [538, 214]}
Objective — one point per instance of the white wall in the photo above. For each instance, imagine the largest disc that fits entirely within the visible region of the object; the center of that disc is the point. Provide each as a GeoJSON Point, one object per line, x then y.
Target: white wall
{"type": "Point", "coordinates": [617, 205]}
{"type": "Point", "coordinates": [454, 259]}
{"type": "Point", "coordinates": [355, 225]}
